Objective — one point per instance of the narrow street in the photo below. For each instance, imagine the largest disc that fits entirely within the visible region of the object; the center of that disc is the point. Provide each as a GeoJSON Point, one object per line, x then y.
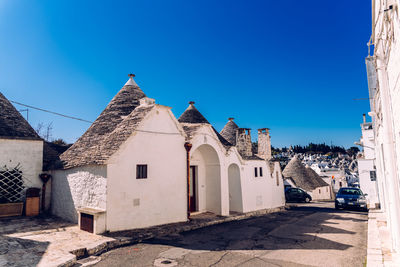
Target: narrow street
{"type": "Point", "coordinates": [313, 234]}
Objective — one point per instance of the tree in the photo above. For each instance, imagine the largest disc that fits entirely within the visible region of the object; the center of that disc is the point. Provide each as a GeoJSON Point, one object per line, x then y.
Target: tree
{"type": "Point", "coordinates": [45, 131]}
{"type": "Point", "coordinates": [353, 151]}
{"type": "Point", "coordinates": [60, 142]}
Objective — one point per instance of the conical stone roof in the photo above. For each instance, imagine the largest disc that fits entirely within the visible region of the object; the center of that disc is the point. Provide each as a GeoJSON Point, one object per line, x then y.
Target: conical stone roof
{"type": "Point", "coordinates": [318, 181]}
{"type": "Point", "coordinates": [89, 147]}
{"type": "Point", "coordinates": [191, 120]}
{"type": "Point", "coordinates": [303, 177]}
{"type": "Point", "coordinates": [12, 124]}
{"type": "Point", "coordinates": [229, 131]}
{"type": "Point", "coordinates": [192, 115]}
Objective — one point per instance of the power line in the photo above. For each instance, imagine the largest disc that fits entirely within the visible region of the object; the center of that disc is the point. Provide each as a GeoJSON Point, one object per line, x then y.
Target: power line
{"type": "Point", "coordinates": [52, 112]}
{"type": "Point", "coordinates": [362, 98]}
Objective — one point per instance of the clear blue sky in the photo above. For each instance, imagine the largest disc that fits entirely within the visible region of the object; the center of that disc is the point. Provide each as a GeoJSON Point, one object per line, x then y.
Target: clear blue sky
{"type": "Point", "coordinates": [293, 66]}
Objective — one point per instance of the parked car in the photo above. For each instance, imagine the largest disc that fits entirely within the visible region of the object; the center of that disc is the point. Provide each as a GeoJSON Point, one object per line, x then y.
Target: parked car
{"type": "Point", "coordinates": [350, 197]}
{"type": "Point", "coordinates": [297, 195]}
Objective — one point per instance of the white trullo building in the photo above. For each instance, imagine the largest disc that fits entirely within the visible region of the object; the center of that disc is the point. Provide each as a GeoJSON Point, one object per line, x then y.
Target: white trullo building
{"type": "Point", "coordinates": [138, 166]}
{"type": "Point", "coordinates": [21, 154]}
{"type": "Point", "coordinates": [298, 175]}
{"type": "Point", "coordinates": [227, 175]}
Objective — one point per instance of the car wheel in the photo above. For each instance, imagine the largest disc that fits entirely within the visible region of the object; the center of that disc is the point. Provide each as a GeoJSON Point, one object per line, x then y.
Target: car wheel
{"type": "Point", "coordinates": [336, 207]}
{"type": "Point", "coordinates": [307, 200]}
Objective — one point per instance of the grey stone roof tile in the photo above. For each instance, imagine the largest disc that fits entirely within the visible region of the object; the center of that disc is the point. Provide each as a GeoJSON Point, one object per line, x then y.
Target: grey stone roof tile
{"type": "Point", "coordinates": [12, 124]}
{"type": "Point", "coordinates": [303, 177]}
{"type": "Point", "coordinates": [229, 131]}
{"type": "Point", "coordinates": [192, 115]}
{"type": "Point", "coordinates": [110, 129]}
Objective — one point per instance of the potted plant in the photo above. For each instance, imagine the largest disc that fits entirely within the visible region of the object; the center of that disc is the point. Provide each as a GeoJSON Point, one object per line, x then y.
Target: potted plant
{"type": "Point", "coordinates": [11, 191]}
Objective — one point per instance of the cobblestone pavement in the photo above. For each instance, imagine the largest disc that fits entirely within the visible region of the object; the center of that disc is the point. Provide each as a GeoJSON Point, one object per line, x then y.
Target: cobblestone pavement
{"type": "Point", "coordinates": [42, 241]}
{"type": "Point", "coordinates": [49, 241]}
{"type": "Point", "coordinates": [308, 235]}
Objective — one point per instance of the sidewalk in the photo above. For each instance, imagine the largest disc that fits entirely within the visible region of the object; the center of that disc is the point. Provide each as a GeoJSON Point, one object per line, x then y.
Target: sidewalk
{"type": "Point", "coordinates": [49, 241]}
{"type": "Point", "coordinates": [379, 251]}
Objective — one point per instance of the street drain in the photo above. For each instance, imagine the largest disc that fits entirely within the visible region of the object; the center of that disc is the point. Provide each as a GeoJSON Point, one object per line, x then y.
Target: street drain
{"type": "Point", "coordinates": [161, 262]}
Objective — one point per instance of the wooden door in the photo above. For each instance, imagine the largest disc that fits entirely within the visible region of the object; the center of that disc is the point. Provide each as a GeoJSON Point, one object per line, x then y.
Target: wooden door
{"type": "Point", "coordinates": [87, 222]}
{"type": "Point", "coordinates": [192, 189]}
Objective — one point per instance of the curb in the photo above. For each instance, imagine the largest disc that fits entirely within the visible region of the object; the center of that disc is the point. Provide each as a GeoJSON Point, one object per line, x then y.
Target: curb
{"type": "Point", "coordinates": [97, 250]}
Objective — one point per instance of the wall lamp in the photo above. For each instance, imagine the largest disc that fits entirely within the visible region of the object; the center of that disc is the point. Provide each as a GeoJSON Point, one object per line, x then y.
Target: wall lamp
{"type": "Point", "coordinates": [360, 144]}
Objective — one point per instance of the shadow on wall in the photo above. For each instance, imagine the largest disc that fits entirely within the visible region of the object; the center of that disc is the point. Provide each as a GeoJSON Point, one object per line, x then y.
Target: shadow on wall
{"type": "Point", "coordinates": [78, 187]}
{"type": "Point", "coordinates": [262, 233]}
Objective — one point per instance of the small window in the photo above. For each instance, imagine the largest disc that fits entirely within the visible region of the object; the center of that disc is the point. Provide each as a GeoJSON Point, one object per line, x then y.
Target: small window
{"type": "Point", "coordinates": [372, 175]}
{"type": "Point", "coordinates": [261, 174]}
{"type": "Point", "coordinates": [255, 172]}
{"type": "Point", "coordinates": [141, 171]}
{"type": "Point", "coordinates": [277, 178]}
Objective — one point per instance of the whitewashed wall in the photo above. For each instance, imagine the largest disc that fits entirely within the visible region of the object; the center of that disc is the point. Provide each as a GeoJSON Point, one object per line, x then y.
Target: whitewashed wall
{"type": "Point", "coordinates": [278, 192]}
{"type": "Point", "coordinates": [261, 192]}
{"type": "Point", "coordinates": [159, 199]}
{"type": "Point", "coordinates": [235, 188]}
{"type": "Point", "coordinates": [76, 188]}
{"type": "Point", "coordinates": [254, 193]}
{"type": "Point", "coordinates": [209, 194]}
{"type": "Point", "coordinates": [321, 193]}
{"type": "Point", "coordinates": [28, 154]}
{"type": "Point", "coordinates": [366, 185]}
{"type": "Point", "coordinates": [209, 156]}
{"type": "Point", "coordinates": [386, 110]}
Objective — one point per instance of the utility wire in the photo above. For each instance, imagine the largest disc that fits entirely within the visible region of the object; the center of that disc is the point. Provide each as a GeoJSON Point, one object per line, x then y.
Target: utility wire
{"type": "Point", "coordinates": [52, 112]}
{"type": "Point", "coordinates": [362, 98]}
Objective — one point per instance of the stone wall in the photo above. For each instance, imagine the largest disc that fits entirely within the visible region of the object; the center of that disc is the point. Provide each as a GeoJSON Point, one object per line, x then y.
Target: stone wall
{"type": "Point", "coordinates": [243, 142]}
{"type": "Point", "coordinates": [264, 144]}
{"type": "Point", "coordinates": [76, 188]}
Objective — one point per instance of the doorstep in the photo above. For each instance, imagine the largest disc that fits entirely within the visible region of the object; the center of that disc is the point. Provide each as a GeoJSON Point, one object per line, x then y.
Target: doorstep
{"type": "Point", "coordinates": [379, 248]}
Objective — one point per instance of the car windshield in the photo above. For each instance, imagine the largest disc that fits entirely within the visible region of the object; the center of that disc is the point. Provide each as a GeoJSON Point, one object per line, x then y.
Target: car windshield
{"type": "Point", "coordinates": [350, 191]}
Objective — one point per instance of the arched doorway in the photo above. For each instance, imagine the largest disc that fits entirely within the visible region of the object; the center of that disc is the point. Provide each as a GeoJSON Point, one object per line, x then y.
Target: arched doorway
{"type": "Point", "coordinates": [205, 189]}
{"type": "Point", "coordinates": [235, 189]}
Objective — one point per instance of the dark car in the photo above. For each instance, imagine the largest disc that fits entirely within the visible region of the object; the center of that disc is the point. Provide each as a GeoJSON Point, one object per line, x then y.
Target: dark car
{"type": "Point", "coordinates": [296, 194]}
{"type": "Point", "coordinates": [350, 197]}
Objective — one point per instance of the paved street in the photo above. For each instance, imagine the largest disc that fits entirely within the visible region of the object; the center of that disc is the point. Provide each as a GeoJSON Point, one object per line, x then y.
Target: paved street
{"type": "Point", "coordinates": [312, 234]}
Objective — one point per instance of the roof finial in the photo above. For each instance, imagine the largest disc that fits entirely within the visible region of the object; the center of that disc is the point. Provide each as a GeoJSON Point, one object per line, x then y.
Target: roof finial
{"type": "Point", "coordinates": [191, 102]}
{"type": "Point", "coordinates": [131, 81]}
{"type": "Point", "coordinates": [230, 119]}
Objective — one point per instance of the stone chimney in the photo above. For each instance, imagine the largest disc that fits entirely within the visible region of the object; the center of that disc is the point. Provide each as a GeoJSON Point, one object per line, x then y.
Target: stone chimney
{"type": "Point", "coordinates": [264, 144]}
{"type": "Point", "coordinates": [243, 141]}
{"type": "Point", "coordinates": [364, 119]}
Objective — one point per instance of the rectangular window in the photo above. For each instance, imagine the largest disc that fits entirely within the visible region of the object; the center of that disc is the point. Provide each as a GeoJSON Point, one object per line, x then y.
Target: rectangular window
{"type": "Point", "coordinates": [277, 178]}
{"type": "Point", "coordinates": [372, 175]}
{"type": "Point", "coordinates": [255, 172]}
{"type": "Point", "coordinates": [141, 171]}
{"type": "Point", "coordinates": [261, 174]}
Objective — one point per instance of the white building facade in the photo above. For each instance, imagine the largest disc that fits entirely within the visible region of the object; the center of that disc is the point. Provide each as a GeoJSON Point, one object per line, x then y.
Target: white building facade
{"type": "Point", "coordinates": [21, 149]}
{"type": "Point", "coordinates": [383, 69]}
{"type": "Point", "coordinates": [138, 166]}
{"type": "Point", "coordinates": [366, 165]}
